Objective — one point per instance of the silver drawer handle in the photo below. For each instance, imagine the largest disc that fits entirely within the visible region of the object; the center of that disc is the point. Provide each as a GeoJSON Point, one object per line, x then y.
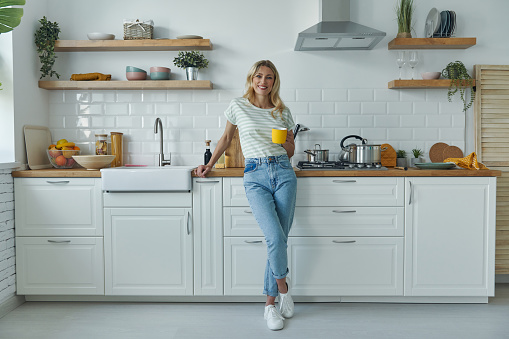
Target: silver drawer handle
{"type": "Point", "coordinates": [188, 218]}
{"type": "Point", "coordinates": [248, 211]}
{"type": "Point", "coordinates": [344, 241]}
{"type": "Point", "coordinates": [207, 182]}
{"type": "Point", "coordinates": [59, 241]}
{"type": "Point", "coordinates": [337, 211]}
{"type": "Point", "coordinates": [343, 181]}
{"type": "Point", "coordinates": [58, 182]}
{"type": "Point", "coordinates": [253, 241]}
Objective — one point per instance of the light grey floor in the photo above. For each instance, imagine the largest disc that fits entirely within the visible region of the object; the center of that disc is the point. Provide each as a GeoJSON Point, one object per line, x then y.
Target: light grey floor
{"type": "Point", "coordinates": [75, 320]}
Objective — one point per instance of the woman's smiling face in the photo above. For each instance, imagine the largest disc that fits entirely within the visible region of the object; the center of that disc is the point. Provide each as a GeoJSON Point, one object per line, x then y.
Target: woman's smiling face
{"type": "Point", "coordinates": [263, 80]}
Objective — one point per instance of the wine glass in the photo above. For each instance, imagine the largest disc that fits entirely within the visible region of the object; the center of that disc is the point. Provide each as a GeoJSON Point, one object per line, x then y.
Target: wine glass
{"type": "Point", "coordinates": [413, 60]}
{"type": "Point", "coordinates": [401, 60]}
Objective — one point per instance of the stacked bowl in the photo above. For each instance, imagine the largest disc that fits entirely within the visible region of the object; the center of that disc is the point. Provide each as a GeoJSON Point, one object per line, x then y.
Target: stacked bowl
{"type": "Point", "coordinates": [135, 73]}
{"type": "Point", "coordinates": [159, 73]}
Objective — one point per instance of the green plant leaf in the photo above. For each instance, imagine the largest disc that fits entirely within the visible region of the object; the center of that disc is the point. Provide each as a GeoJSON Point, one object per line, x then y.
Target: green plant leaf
{"type": "Point", "coordinates": [10, 17]}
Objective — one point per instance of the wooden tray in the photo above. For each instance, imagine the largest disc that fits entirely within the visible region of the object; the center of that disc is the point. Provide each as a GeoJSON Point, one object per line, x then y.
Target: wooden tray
{"type": "Point", "coordinates": [388, 157]}
{"type": "Point", "coordinates": [37, 140]}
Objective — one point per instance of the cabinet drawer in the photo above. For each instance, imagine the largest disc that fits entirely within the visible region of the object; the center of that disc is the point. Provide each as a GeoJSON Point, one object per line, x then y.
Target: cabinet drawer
{"type": "Point", "coordinates": [323, 221]}
{"type": "Point", "coordinates": [350, 191]}
{"type": "Point", "coordinates": [59, 265]}
{"type": "Point", "coordinates": [58, 207]}
{"type": "Point", "coordinates": [346, 266]}
{"type": "Point", "coordinates": [141, 199]}
{"type": "Point", "coordinates": [233, 192]}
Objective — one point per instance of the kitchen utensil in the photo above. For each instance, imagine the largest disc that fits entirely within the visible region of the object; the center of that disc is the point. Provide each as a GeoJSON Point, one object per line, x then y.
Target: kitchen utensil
{"type": "Point", "coordinates": [432, 23]}
{"type": "Point", "coordinates": [388, 155]}
{"type": "Point", "coordinates": [93, 162]}
{"type": "Point", "coordinates": [318, 154]}
{"type": "Point", "coordinates": [233, 157]}
{"type": "Point", "coordinates": [452, 152]}
{"type": "Point", "coordinates": [299, 128]}
{"type": "Point", "coordinates": [436, 152]}
{"type": "Point", "coordinates": [189, 37]}
{"type": "Point", "coordinates": [360, 154]}
{"type": "Point", "coordinates": [37, 140]}
{"type": "Point", "coordinates": [100, 36]}
{"type": "Point", "coordinates": [435, 165]}
{"type": "Point", "coordinates": [279, 135]}
{"type": "Point", "coordinates": [430, 75]}
{"type": "Point", "coordinates": [401, 168]}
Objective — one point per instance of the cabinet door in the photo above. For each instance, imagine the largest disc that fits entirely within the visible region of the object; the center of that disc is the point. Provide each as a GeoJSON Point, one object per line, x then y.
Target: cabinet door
{"type": "Point", "coordinates": [450, 236]}
{"type": "Point", "coordinates": [244, 265]}
{"type": "Point", "coordinates": [59, 265]}
{"type": "Point", "coordinates": [148, 251]}
{"type": "Point", "coordinates": [208, 236]}
{"type": "Point", "coordinates": [58, 207]}
{"type": "Point", "coordinates": [327, 266]}
{"type": "Point", "coordinates": [234, 193]}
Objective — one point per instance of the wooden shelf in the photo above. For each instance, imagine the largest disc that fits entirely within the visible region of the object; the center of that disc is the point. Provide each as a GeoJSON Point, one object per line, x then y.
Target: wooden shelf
{"type": "Point", "coordinates": [132, 45]}
{"type": "Point", "coordinates": [436, 83]}
{"type": "Point", "coordinates": [431, 43]}
{"type": "Point", "coordinates": [126, 85]}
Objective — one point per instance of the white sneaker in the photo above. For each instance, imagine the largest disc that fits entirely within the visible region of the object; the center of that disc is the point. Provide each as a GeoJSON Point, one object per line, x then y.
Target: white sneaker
{"type": "Point", "coordinates": [273, 317]}
{"type": "Point", "coordinates": [286, 305]}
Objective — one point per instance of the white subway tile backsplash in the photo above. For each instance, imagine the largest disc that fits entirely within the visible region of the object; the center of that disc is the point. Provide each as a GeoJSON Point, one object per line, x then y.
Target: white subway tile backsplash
{"type": "Point", "coordinates": [153, 147]}
{"type": "Point", "coordinates": [310, 121]}
{"type": "Point", "coordinates": [63, 109]}
{"type": "Point", "coordinates": [192, 134]}
{"type": "Point", "coordinates": [77, 97]}
{"type": "Point", "coordinates": [438, 121]}
{"type": "Point", "coordinates": [141, 109]}
{"type": "Point", "coordinates": [321, 108]}
{"type": "Point", "coordinates": [153, 96]}
{"type": "Point", "coordinates": [214, 134]}
{"type": "Point", "coordinates": [426, 108]}
{"type": "Point", "coordinates": [412, 95]}
{"type": "Point", "coordinates": [343, 132]}
{"type": "Point", "coordinates": [385, 121]}
{"type": "Point", "coordinates": [361, 95]}
{"type": "Point", "coordinates": [133, 147]}
{"type": "Point", "coordinates": [141, 159]}
{"type": "Point", "coordinates": [360, 121]}
{"type": "Point", "coordinates": [412, 120]}
{"type": "Point", "coordinates": [386, 95]}
{"type": "Point", "coordinates": [334, 95]}
{"type": "Point", "coordinates": [437, 94]}
{"type": "Point", "coordinates": [458, 121]}
{"type": "Point", "coordinates": [374, 135]}
{"type": "Point", "coordinates": [129, 122]}
{"type": "Point", "coordinates": [205, 96]}
{"type": "Point", "coordinates": [57, 121]}
{"type": "Point", "coordinates": [103, 122]}
{"type": "Point", "coordinates": [116, 109]}
{"type": "Point", "coordinates": [373, 108]}
{"type": "Point", "coordinates": [179, 96]}
{"type": "Point", "coordinates": [399, 134]}
{"type": "Point", "coordinates": [229, 95]}
{"type": "Point", "coordinates": [206, 122]}
{"type": "Point", "coordinates": [141, 135]}
{"type": "Point", "coordinates": [186, 147]}
{"type": "Point", "coordinates": [309, 94]}
{"type": "Point", "coordinates": [334, 121]}
{"type": "Point", "coordinates": [326, 134]}
{"type": "Point", "coordinates": [298, 108]}
{"type": "Point", "coordinates": [399, 108]}
{"type": "Point", "coordinates": [87, 135]}
{"type": "Point", "coordinates": [287, 94]}
{"type": "Point", "coordinates": [450, 107]}
{"type": "Point", "coordinates": [425, 134]}
{"type": "Point", "coordinates": [193, 109]}
{"type": "Point", "coordinates": [217, 109]}
{"type": "Point", "coordinates": [348, 108]}
{"type": "Point", "coordinates": [106, 96]}
{"type": "Point", "coordinates": [67, 133]}
{"type": "Point", "coordinates": [129, 96]}
{"type": "Point", "coordinates": [179, 122]}
{"type": "Point", "coordinates": [452, 134]}
{"type": "Point", "coordinates": [56, 97]}
{"type": "Point", "coordinates": [77, 122]}
{"type": "Point", "coordinates": [95, 109]}
{"type": "Point", "coordinates": [171, 108]}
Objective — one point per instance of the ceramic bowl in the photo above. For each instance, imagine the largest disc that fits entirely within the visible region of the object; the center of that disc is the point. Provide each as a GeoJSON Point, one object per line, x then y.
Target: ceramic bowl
{"type": "Point", "coordinates": [160, 76]}
{"type": "Point", "coordinates": [160, 69]}
{"type": "Point", "coordinates": [100, 36]}
{"type": "Point", "coordinates": [136, 75]}
{"type": "Point", "coordinates": [94, 162]}
{"type": "Point", "coordinates": [430, 75]}
{"type": "Point", "coordinates": [134, 69]}
{"type": "Point", "coordinates": [62, 158]}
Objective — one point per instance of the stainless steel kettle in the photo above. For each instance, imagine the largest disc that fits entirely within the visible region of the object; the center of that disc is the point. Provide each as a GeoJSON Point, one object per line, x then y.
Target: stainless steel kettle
{"type": "Point", "coordinates": [348, 152]}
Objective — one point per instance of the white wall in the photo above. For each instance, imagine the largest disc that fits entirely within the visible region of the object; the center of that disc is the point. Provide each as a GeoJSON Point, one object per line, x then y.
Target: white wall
{"type": "Point", "coordinates": [243, 32]}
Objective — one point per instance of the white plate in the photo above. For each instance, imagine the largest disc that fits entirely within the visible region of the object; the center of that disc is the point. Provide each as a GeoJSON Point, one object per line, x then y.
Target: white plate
{"type": "Point", "coordinates": [189, 37]}
{"type": "Point", "coordinates": [100, 36]}
{"type": "Point", "coordinates": [37, 140]}
{"type": "Point", "coordinates": [432, 23]}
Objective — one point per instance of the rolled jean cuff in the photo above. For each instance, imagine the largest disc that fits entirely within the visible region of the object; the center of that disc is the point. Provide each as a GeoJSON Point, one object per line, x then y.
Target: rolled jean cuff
{"type": "Point", "coordinates": [281, 276]}
{"type": "Point", "coordinates": [265, 292]}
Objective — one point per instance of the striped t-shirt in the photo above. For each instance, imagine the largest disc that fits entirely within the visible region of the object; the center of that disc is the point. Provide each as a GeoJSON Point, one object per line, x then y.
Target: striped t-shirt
{"type": "Point", "coordinates": [255, 127]}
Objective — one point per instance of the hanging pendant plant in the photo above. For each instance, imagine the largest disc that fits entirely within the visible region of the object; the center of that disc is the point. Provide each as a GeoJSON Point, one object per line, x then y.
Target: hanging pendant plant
{"type": "Point", "coordinates": [460, 81]}
{"type": "Point", "coordinates": [45, 38]}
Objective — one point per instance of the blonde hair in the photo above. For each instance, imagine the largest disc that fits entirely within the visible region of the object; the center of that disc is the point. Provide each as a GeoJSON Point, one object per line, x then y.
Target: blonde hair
{"type": "Point", "coordinates": [274, 98]}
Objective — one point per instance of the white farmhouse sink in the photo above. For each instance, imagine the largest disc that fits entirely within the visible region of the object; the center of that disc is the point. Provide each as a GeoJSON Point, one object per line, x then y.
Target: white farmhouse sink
{"type": "Point", "coordinates": [147, 179]}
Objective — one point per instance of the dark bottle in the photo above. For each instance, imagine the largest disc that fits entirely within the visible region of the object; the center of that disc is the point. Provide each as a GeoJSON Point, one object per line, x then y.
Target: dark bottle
{"type": "Point", "coordinates": [208, 155]}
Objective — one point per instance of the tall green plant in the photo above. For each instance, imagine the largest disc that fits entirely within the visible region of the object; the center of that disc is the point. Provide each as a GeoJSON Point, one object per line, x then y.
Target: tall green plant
{"type": "Point", "coordinates": [45, 38]}
{"type": "Point", "coordinates": [404, 12]}
{"type": "Point", "coordinates": [10, 17]}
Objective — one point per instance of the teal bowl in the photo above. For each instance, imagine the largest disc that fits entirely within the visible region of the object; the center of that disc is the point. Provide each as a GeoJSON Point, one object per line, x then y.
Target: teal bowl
{"type": "Point", "coordinates": [160, 76]}
{"type": "Point", "coordinates": [134, 69]}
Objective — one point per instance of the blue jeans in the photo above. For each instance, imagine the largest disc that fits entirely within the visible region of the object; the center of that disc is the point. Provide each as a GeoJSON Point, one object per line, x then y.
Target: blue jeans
{"type": "Point", "coordinates": [271, 188]}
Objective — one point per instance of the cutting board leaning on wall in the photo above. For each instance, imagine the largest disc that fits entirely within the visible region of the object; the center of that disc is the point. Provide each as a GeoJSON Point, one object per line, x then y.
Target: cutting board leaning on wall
{"type": "Point", "coordinates": [233, 157]}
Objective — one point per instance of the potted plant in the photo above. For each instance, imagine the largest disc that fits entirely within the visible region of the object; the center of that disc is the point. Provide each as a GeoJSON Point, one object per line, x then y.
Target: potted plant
{"type": "Point", "coordinates": [417, 156]}
{"type": "Point", "coordinates": [45, 38]}
{"type": "Point", "coordinates": [404, 12]}
{"type": "Point", "coordinates": [10, 17]}
{"type": "Point", "coordinates": [401, 158]}
{"type": "Point", "coordinates": [460, 80]}
{"type": "Point", "coordinates": [191, 61]}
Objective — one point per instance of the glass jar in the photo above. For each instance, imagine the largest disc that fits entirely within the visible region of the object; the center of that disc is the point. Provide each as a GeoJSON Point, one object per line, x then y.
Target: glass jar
{"type": "Point", "coordinates": [101, 144]}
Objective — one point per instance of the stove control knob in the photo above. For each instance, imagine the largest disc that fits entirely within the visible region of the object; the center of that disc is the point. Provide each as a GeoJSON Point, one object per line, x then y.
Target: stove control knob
{"type": "Point", "coordinates": [368, 165]}
{"type": "Point", "coordinates": [360, 165]}
{"type": "Point", "coordinates": [351, 165]}
{"type": "Point", "coordinates": [378, 165]}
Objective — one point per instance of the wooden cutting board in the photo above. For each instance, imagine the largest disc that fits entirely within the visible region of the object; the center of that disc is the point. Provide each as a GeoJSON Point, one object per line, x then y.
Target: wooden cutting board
{"type": "Point", "coordinates": [233, 157]}
{"type": "Point", "coordinates": [388, 156]}
{"type": "Point", "coordinates": [37, 140]}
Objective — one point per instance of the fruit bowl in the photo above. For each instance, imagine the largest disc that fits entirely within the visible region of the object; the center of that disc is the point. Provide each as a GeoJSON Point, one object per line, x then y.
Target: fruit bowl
{"type": "Point", "coordinates": [62, 158]}
{"type": "Point", "coordinates": [94, 162]}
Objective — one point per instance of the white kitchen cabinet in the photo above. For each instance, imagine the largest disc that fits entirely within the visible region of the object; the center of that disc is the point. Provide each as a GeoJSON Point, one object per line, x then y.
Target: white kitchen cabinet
{"type": "Point", "coordinates": [450, 236]}
{"type": "Point", "coordinates": [346, 266]}
{"type": "Point", "coordinates": [148, 251]}
{"type": "Point", "coordinates": [59, 265]}
{"type": "Point", "coordinates": [58, 207]}
{"type": "Point", "coordinates": [208, 236]}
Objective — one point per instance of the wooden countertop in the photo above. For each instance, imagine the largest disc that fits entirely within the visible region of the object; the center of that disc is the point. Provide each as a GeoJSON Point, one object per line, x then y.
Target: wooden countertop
{"type": "Point", "coordinates": [239, 172]}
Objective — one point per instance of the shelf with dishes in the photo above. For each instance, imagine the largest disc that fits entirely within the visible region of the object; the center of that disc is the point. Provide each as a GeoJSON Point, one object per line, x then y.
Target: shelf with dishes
{"type": "Point", "coordinates": [434, 83]}
{"type": "Point", "coordinates": [431, 43]}
{"type": "Point", "coordinates": [132, 45]}
{"type": "Point", "coordinates": [127, 85]}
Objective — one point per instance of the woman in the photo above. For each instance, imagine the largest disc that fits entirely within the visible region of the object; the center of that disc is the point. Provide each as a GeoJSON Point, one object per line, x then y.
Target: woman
{"type": "Point", "coordinates": [269, 180]}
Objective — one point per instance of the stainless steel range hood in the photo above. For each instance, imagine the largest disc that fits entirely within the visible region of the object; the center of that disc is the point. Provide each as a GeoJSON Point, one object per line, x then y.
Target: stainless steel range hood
{"type": "Point", "coordinates": [335, 31]}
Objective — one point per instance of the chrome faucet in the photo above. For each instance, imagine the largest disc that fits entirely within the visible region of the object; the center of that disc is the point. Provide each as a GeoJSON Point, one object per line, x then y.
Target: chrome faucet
{"type": "Point", "coordinates": [159, 125]}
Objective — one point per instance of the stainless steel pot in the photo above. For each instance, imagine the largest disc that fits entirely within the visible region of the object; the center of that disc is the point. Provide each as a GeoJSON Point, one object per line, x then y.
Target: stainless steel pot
{"type": "Point", "coordinates": [360, 154]}
{"type": "Point", "coordinates": [318, 154]}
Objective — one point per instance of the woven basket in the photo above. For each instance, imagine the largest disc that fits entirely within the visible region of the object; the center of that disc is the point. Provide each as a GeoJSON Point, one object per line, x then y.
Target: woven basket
{"type": "Point", "coordinates": [136, 29]}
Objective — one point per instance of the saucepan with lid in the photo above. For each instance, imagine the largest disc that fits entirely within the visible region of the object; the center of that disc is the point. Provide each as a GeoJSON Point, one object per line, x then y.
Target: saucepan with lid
{"type": "Point", "coordinates": [318, 154]}
{"type": "Point", "coordinates": [360, 154]}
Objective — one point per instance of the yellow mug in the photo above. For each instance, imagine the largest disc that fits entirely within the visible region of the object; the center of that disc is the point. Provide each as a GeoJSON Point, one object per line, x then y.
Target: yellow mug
{"type": "Point", "coordinates": [279, 135]}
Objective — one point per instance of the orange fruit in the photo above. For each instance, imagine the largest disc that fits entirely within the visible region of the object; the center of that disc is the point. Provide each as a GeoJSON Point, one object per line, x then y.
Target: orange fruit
{"type": "Point", "coordinates": [76, 148]}
{"type": "Point", "coordinates": [60, 160]}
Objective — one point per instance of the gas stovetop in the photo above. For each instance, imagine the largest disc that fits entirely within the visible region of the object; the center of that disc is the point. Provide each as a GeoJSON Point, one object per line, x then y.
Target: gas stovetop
{"type": "Point", "coordinates": [339, 165]}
